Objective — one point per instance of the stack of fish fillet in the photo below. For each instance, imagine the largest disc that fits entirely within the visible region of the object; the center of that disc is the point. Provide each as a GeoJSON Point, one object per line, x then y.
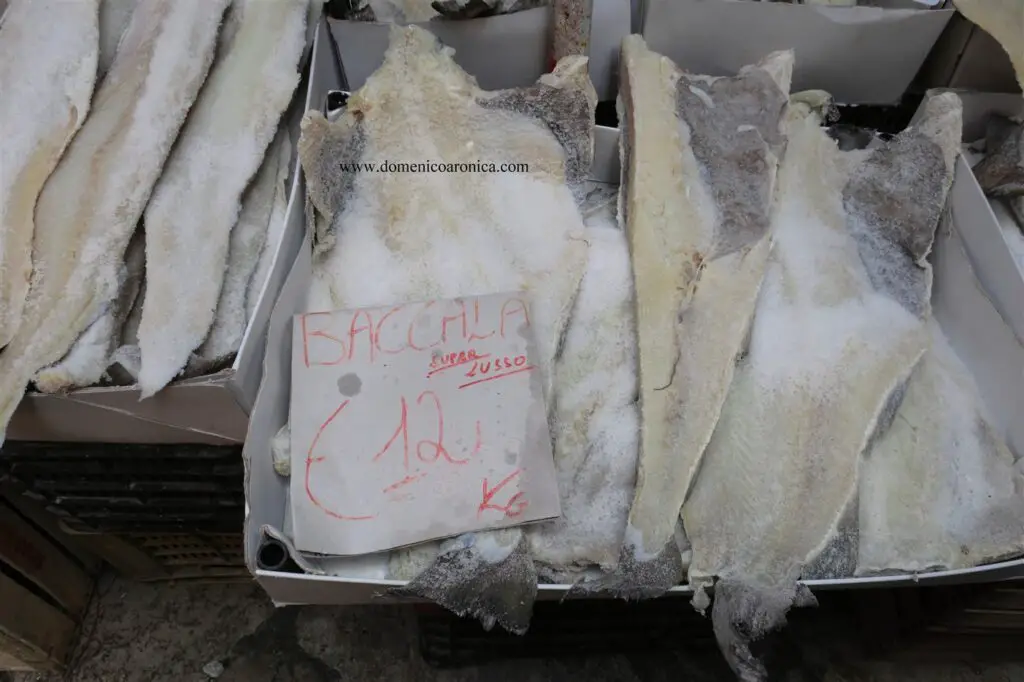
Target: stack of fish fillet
{"type": "Point", "coordinates": [121, 259]}
{"type": "Point", "coordinates": [746, 386]}
{"type": "Point", "coordinates": [700, 166]}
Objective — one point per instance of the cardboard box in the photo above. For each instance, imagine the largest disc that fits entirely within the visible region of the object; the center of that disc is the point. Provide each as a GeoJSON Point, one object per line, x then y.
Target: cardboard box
{"type": "Point", "coordinates": [506, 51]}
{"type": "Point", "coordinates": [862, 55]}
{"type": "Point", "coordinates": [210, 409]}
{"type": "Point", "coordinates": [976, 330]}
{"type": "Point", "coordinates": [967, 57]}
{"type": "Point", "coordinates": [999, 273]}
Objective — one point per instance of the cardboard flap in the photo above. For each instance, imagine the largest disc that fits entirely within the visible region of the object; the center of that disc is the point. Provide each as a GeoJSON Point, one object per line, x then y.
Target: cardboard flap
{"type": "Point", "coordinates": [987, 249]}
{"type": "Point", "coordinates": [979, 334]}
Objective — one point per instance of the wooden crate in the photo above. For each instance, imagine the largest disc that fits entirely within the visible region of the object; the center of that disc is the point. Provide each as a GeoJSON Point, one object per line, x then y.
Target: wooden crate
{"type": "Point", "coordinates": [46, 580]}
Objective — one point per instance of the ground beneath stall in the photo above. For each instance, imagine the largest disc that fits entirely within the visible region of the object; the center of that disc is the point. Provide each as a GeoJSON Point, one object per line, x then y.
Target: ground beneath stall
{"type": "Point", "coordinates": [192, 633]}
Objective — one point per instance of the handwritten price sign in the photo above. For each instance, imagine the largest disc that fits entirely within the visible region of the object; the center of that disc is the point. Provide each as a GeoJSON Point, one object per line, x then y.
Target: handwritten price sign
{"type": "Point", "coordinates": [416, 422]}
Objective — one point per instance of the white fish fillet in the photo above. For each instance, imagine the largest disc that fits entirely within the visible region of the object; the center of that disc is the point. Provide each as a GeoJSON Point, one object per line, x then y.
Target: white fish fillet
{"type": "Point", "coordinates": [392, 238]}
{"type": "Point", "coordinates": [596, 418]}
{"type": "Point", "coordinates": [248, 238]}
{"type": "Point", "coordinates": [275, 229]}
{"type": "Point", "coordinates": [114, 18]}
{"type": "Point", "coordinates": [93, 200]}
{"type": "Point", "coordinates": [48, 53]}
{"type": "Point", "coordinates": [699, 162]}
{"type": "Point", "coordinates": [840, 325]}
{"type": "Point", "coordinates": [196, 201]}
{"type": "Point", "coordinates": [88, 359]}
{"type": "Point", "coordinates": [939, 491]}
{"type": "Point", "coordinates": [1004, 20]}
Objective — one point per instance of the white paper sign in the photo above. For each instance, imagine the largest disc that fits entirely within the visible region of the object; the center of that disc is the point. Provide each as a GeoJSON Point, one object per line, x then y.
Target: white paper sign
{"type": "Point", "coordinates": [416, 422]}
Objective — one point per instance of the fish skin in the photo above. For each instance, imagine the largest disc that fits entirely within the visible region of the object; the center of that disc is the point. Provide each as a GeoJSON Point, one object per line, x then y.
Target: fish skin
{"type": "Point", "coordinates": [939, 491]}
{"type": "Point", "coordinates": [405, 236]}
{"type": "Point", "coordinates": [1001, 172]}
{"type": "Point", "coordinates": [840, 325]}
{"type": "Point", "coordinates": [248, 238]}
{"type": "Point", "coordinates": [46, 97]}
{"type": "Point", "coordinates": [92, 202]}
{"type": "Point", "coordinates": [197, 197]}
{"type": "Point", "coordinates": [699, 163]}
{"type": "Point", "coordinates": [86, 362]}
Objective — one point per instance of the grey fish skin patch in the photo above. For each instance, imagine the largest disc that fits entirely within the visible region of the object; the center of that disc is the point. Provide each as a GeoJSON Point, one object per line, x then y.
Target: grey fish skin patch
{"type": "Point", "coordinates": [468, 582]}
{"type": "Point", "coordinates": [699, 162]}
{"type": "Point", "coordinates": [324, 149]}
{"type": "Point", "coordinates": [893, 197]}
{"type": "Point", "coordinates": [1001, 172]}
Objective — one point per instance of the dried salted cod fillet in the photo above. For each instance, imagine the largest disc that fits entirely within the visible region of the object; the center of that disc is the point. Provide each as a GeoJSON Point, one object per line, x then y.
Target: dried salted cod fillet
{"type": "Point", "coordinates": [197, 198]}
{"type": "Point", "coordinates": [275, 229]}
{"type": "Point", "coordinates": [596, 418]}
{"type": "Point", "coordinates": [1004, 20]}
{"type": "Point", "coordinates": [840, 325]}
{"type": "Point", "coordinates": [939, 491]}
{"type": "Point", "coordinates": [92, 202]}
{"type": "Point", "coordinates": [1001, 172]}
{"type": "Point", "coordinates": [410, 237]}
{"type": "Point", "coordinates": [114, 18]}
{"type": "Point", "coordinates": [699, 161]}
{"type": "Point", "coordinates": [248, 238]}
{"type": "Point", "coordinates": [48, 53]}
{"type": "Point", "coordinates": [87, 361]}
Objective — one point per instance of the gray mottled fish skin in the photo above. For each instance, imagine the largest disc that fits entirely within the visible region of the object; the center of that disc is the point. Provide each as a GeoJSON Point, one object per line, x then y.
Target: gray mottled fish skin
{"type": "Point", "coordinates": [419, 228]}
{"type": "Point", "coordinates": [469, 582]}
{"type": "Point", "coordinates": [1001, 172]}
{"type": "Point", "coordinates": [323, 148]}
{"type": "Point", "coordinates": [699, 163]}
{"type": "Point", "coordinates": [840, 326]}
{"type": "Point", "coordinates": [888, 233]}
{"type": "Point", "coordinates": [565, 113]}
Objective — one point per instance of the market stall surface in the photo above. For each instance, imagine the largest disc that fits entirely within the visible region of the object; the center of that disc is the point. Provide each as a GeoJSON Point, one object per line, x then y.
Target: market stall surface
{"type": "Point", "coordinates": [231, 632]}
